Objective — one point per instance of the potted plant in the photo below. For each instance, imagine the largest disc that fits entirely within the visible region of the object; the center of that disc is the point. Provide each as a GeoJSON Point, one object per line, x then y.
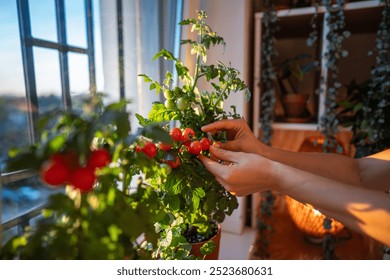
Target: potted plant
{"type": "Point", "coordinates": [194, 199]}
{"type": "Point", "coordinates": [96, 214]}
{"type": "Point", "coordinates": [292, 72]}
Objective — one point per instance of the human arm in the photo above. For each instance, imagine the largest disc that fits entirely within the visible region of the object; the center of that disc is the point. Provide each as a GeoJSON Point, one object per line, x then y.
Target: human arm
{"type": "Point", "coordinates": [361, 209]}
{"type": "Point", "coordinates": [370, 172]}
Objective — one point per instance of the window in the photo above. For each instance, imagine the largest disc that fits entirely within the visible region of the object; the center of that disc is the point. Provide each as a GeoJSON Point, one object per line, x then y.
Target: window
{"type": "Point", "coordinates": [50, 58]}
{"type": "Point", "coordinates": [48, 61]}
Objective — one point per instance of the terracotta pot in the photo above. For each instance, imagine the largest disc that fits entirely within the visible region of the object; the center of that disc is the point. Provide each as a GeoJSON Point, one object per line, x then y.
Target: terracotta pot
{"type": "Point", "coordinates": [295, 104]}
{"type": "Point", "coordinates": [195, 250]}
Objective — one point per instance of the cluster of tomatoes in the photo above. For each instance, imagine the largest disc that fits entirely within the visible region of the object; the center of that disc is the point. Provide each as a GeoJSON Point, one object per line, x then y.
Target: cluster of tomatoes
{"type": "Point", "coordinates": [182, 139]}
{"type": "Point", "coordinates": [64, 168]}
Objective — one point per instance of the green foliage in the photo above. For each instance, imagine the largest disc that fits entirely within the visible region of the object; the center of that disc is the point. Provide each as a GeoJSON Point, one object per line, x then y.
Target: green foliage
{"type": "Point", "coordinates": [106, 222]}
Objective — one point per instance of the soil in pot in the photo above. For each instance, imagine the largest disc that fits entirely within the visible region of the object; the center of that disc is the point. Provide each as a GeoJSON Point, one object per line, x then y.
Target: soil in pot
{"type": "Point", "coordinates": [198, 240]}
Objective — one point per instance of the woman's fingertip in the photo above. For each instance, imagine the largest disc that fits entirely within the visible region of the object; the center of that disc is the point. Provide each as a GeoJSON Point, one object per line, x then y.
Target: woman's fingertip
{"type": "Point", "coordinates": [216, 145]}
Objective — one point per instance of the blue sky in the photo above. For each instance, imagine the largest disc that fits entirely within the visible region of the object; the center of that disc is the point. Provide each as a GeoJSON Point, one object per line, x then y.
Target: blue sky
{"type": "Point", "coordinates": [42, 15]}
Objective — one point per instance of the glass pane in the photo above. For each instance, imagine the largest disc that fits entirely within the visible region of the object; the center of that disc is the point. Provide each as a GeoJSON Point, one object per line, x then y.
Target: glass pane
{"type": "Point", "coordinates": [23, 196]}
{"type": "Point", "coordinates": [13, 117]}
{"type": "Point", "coordinates": [43, 19]}
{"type": "Point", "coordinates": [47, 73]}
{"type": "Point", "coordinates": [75, 23]}
{"type": "Point", "coordinates": [78, 78]}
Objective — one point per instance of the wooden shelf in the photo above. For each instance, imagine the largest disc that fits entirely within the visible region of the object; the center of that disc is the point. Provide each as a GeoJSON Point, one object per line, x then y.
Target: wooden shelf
{"type": "Point", "coordinates": [362, 19]}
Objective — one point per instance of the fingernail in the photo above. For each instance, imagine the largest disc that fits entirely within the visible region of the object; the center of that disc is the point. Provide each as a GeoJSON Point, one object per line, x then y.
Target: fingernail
{"type": "Point", "coordinates": [216, 144]}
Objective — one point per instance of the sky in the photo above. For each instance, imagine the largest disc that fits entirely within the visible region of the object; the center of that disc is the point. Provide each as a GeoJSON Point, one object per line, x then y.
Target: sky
{"type": "Point", "coordinates": [43, 24]}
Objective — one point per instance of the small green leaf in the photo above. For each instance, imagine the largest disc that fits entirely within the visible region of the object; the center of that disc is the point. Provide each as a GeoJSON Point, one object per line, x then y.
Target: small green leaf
{"type": "Point", "coordinates": [208, 247]}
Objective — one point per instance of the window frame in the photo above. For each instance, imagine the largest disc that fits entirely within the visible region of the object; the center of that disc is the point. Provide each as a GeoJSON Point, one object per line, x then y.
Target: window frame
{"type": "Point", "coordinates": [27, 43]}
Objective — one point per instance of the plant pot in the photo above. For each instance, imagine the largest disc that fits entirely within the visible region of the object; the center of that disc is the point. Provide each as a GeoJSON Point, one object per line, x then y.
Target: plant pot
{"type": "Point", "coordinates": [295, 105]}
{"type": "Point", "coordinates": [195, 250]}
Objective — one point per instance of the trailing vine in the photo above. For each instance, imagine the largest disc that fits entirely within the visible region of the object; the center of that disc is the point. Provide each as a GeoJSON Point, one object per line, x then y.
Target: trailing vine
{"type": "Point", "coordinates": [268, 73]}
{"type": "Point", "coordinates": [335, 20]}
{"type": "Point", "coordinates": [268, 77]}
{"type": "Point", "coordinates": [374, 125]}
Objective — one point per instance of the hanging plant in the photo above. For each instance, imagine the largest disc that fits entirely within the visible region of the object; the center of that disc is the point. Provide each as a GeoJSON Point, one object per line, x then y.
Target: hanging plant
{"type": "Point", "coordinates": [335, 19]}
{"type": "Point", "coordinates": [268, 73]}
{"type": "Point", "coordinates": [268, 77]}
{"type": "Point", "coordinates": [374, 129]}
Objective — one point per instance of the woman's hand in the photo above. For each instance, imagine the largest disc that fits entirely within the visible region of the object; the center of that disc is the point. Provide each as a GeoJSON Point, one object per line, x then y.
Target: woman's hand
{"type": "Point", "coordinates": [239, 135]}
{"type": "Point", "coordinates": [247, 173]}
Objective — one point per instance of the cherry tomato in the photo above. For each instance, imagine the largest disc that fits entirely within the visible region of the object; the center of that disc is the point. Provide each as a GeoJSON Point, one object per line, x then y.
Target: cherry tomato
{"type": "Point", "coordinates": [176, 134]}
{"type": "Point", "coordinates": [99, 158]}
{"type": "Point", "coordinates": [168, 94]}
{"type": "Point", "coordinates": [55, 172]}
{"type": "Point", "coordinates": [182, 104]}
{"type": "Point", "coordinates": [83, 179]}
{"type": "Point", "coordinates": [174, 163]}
{"type": "Point", "coordinates": [165, 147]}
{"type": "Point", "coordinates": [188, 133]}
{"type": "Point", "coordinates": [195, 147]}
{"type": "Point", "coordinates": [186, 144]}
{"type": "Point", "coordinates": [169, 104]}
{"type": "Point", "coordinates": [205, 144]}
{"type": "Point", "coordinates": [150, 150]}
{"type": "Point", "coordinates": [69, 158]}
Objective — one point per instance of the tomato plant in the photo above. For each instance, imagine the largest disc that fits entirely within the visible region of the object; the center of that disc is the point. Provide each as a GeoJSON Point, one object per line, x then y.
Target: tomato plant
{"type": "Point", "coordinates": [190, 192]}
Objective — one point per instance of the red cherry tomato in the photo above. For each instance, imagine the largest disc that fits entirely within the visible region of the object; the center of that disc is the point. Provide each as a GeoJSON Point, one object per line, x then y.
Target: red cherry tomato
{"type": "Point", "coordinates": [165, 147]}
{"type": "Point", "coordinates": [55, 172]}
{"type": "Point", "coordinates": [205, 144]}
{"type": "Point", "coordinates": [188, 134]}
{"type": "Point", "coordinates": [69, 158]}
{"type": "Point", "coordinates": [195, 147]}
{"type": "Point", "coordinates": [150, 150]}
{"type": "Point", "coordinates": [186, 144]}
{"type": "Point", "coordinates": [83, 179]}
{"type": "Point", "coordinates": [175, 134]}
{"type": "Point", "coordinates": [99, 158]}
{"type": "Point", "coordinates": [174, 163]}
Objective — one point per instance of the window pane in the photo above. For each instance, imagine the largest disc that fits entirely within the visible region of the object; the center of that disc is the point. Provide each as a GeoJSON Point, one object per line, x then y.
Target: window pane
{"type": "Point", "coordinates": [43, 19]}
{"type": "Point", "coordinates": [23, 196]}
{"type": "Point", "coordinates": [47, 73]}
{"type": "Point", "coordinates": [75, 23]}
{"type": "Point", "coordinates": [13, 117]}
{"type": "Point", "coordinates": [78, 78]}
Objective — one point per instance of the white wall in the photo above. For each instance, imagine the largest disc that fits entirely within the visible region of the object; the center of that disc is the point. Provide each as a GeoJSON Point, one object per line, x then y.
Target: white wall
{"type": "Point", "coordinates": [231, 20]}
